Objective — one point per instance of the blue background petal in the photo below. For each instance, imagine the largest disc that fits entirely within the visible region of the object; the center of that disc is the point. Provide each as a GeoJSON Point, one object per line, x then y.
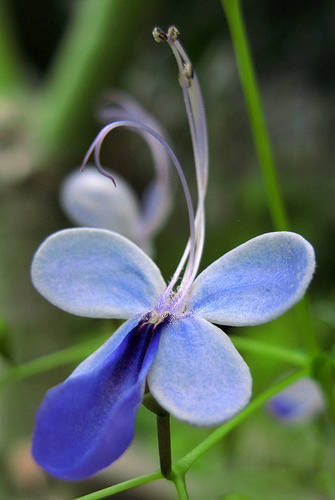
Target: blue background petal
{"type": "Point", "coordinates": [96, 273]}
{"type": "Point", "coordinates": [198, 375]}
{"type": "Point", "coordinates": [88, 421]}
{"type": "Point", "coordinates": [298, 402]}
{"type": "Point", "coordinates": [256, 282]}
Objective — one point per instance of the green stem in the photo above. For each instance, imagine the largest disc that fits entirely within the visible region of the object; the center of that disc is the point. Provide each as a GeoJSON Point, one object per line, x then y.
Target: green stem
{"type": "Point", "coordinates": [255, 112]}
{"type": "Point", "coordinates": [164, 443]}
{"type": "Point", "coordinates": [262, 143]}
{"type": "Point", "coordinates": [151, 404]}
{"type": "Point", "coordinates": [126, 485]}
{"type": "Point", "coordinates": [280, 353]}
{"type": "Point", "coordinates": [180, 484]}
{"type": "Point", "coordinates": [44, 363]}
{"type": "Point", "coordinates": [183, 465]}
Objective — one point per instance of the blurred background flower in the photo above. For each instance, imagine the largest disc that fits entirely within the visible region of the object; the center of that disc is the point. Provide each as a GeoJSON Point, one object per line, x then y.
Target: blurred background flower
{"type": "Point", "coordinates": [297, 403]}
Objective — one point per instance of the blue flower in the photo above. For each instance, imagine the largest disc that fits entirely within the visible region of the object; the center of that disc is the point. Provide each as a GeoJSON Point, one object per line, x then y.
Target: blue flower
{"type": "Point", "coordinates": [297, 403]}
{"type": "Point", "coordinates": [88, 200]}
{"type": "Point", "coordinates": [169, 342]}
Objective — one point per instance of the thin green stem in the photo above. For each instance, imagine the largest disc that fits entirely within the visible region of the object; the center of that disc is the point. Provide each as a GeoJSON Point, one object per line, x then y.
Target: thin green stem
{"type": "Point", "coordinates": [126, 485]}
{"type": "Point", "coordinates": [164, 443]}
{"type": "Point", "coordinates": [262, 143]}
{"type": "Point", "coordinates": [183, 465]}
{"type": "Point", "coordinates": [276, 352]}
{"type": "Point", "coordinates": [45, 363]}
{"type": "Point", "coordinates": [180, 484]}
{"type": "Point", "coordinates": [255, 111]}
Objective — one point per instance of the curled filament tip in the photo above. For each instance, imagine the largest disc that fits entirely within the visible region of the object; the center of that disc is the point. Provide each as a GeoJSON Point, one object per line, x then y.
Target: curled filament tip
{"type": "Point", "coordinates": [97, 164]}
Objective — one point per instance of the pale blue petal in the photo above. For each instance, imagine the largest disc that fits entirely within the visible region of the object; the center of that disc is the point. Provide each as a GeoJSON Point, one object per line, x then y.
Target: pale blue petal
{"type": "Point", "coordinates": [256, 282]}
{"type": "Point", "coordinates": [297, 403]}
{"type": "Point", "coordinates": [198, 376]}
{"type": "Point", "coordinates": [96, 273]}
{"type": "Point", "coordinates": [90, 199]}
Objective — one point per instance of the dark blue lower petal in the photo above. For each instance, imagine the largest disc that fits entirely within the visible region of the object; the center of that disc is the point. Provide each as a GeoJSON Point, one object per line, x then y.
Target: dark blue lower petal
{"type": "Point", "coordinates": [87, 422]}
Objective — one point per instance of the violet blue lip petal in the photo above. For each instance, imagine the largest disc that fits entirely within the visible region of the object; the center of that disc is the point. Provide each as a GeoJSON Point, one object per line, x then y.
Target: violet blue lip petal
{"type": "Point", "coordinates": [96, 273]}
{"type": "Point", "coordinates": [256, 282]}
{"type": "Point", "coordinates": [198, 376]}
{"type": "Point", "coordinates": [91, 199]}
{"type": "Point", "coordinates": [87, 422]}
{"type": "Point", "coordinates": [298, 402]}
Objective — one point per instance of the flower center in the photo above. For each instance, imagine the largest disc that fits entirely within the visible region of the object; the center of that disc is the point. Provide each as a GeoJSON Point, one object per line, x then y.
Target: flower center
{"type": "Point", "coordinates": [156, 317]}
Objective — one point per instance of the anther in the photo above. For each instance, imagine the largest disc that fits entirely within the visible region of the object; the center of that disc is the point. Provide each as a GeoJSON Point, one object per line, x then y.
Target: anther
{"type": "Point", "coordinates": [188, 70]}
{"type": "Point", "coordinates": [159, 35]}
{"type": "Point", "coordinates": [173, 33]}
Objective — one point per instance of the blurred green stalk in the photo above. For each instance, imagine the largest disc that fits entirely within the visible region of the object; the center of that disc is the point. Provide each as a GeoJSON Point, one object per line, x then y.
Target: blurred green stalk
{"type": "Point", "coordinates": [269, 350]}
{"type": "Point", "coordinates": [95, 48]}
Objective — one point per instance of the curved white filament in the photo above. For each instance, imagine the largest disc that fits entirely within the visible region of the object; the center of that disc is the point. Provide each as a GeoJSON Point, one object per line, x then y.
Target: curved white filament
{"type": "Point", "coordinates": [198, 128]}
{"type": "Point", "coordinates": [155, 208]}
{"type": "Point", "coordinates": [96, 147]}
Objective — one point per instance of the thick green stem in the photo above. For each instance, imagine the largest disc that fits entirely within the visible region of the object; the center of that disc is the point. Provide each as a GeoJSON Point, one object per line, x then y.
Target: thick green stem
{"type": "Point", "coordinates": [126, 485]}
{"type": "Point", "coordinates": [164, 444]}
{"type": "Point", "coordinates": [97, 45]}
{"type": "Point", "coordinates": [163, 433]}
{"type": "Point", "coordinates": [183, 465]}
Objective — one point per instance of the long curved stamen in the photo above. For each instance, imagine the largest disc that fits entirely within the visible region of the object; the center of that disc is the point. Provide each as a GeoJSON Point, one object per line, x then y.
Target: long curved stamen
{"type": "Point", "coordinates": [196, 116]}
{"type": "Point", "coordinates": [198, 128]}
{"type": "Point", "coordinates": [123, 107]}
{"type": "Point", "coordinates": [96, 147]}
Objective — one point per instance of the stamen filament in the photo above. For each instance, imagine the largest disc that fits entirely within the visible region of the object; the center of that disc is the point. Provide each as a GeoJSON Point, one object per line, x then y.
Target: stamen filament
{"type": "Point", "coordinates": [198, 129]}
{"type": "Point", "coordinates": [122, 108]}
{"type": "Point", "coordinates": [96, 147]}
